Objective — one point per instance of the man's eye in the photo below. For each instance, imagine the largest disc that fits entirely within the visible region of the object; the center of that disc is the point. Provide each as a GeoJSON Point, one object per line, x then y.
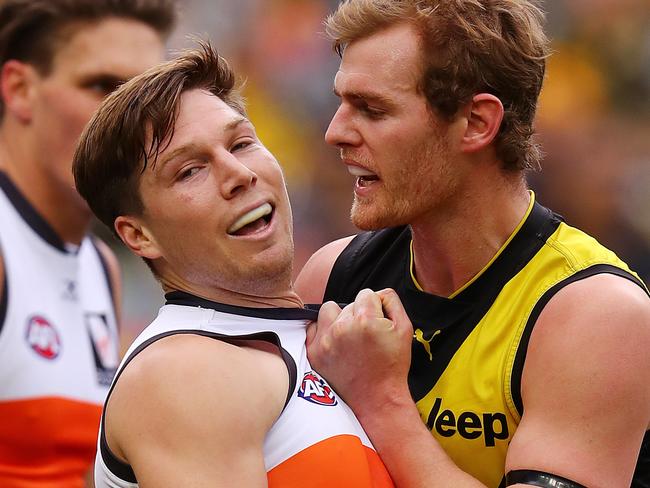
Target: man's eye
{"type": "Point", "coordinates": [104, 87]}
{"type": "Point", "coordinates": [371, 112]}
{"type": "Point", "coordinates": [189, 172]}
{"type": "Point", "coordinates": [240, 145]}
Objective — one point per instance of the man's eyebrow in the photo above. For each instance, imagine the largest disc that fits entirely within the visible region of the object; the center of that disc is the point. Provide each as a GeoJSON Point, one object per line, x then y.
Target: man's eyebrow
{"type": "Point", "coordinates": [179, 151]}
{"type": "Point", "coordinates": [367, 96]}
{"type": "Point", "coordinates": [191, 147]}
{"type": "Point", "coordinates": [233, 124]}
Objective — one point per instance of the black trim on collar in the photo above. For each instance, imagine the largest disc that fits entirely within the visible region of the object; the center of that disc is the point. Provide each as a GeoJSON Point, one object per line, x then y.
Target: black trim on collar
{"type": "Point", "coordinates": [187, 299]}
{"type": "Point", "coordinates": [30, 215]}
{"type": "Point", "coordinates": [124, 470]}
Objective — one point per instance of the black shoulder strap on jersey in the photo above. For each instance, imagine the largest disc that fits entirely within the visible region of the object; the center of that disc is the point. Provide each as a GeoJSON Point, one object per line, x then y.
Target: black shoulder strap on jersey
{"type": "Point", "coordinates": [4, 298]}
{"type": "Point", "coordinates": [539, 478]}
{"type": "Point", "coordinates": [345, 276]}
{"type": "Point", "coordinates": [369, 256]}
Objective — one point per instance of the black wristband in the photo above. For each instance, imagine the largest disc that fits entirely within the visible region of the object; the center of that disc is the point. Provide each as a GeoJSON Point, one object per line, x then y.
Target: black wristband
{"type": "Point", "coordinates": [539, 478]}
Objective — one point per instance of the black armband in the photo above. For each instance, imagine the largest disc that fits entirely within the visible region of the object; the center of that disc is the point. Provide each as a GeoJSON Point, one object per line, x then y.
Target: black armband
{"type": "Point", "coordinates": [539, 478]}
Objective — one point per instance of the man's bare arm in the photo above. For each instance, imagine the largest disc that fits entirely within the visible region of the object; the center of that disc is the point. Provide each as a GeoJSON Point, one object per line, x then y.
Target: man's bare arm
{"type": "Point", "coordinates": [184, 414]}
{"type": "Point", "coordinates": [586, 384]}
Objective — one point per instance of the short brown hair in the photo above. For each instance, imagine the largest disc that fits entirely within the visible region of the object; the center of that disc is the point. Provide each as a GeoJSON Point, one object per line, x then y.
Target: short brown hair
{"type": "Point", "coordinates": [33, 30]}
{"type": "Point", "coordinates": [136, 122]}
{"type": "Point", "coordinates": [468, 47]}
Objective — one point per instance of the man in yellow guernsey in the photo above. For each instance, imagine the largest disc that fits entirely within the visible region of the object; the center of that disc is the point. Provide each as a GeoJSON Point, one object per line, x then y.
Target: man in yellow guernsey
{"type": "Point", "coordinates": [525, 361]}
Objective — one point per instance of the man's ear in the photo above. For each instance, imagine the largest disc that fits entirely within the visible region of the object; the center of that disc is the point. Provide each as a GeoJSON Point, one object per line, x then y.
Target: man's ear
{"type": "Point", "coordinates": [137, 237]}
{"type": "Point", "coordinates": [17, 86]}
{"type": "Point", "coordinates": [484, 116]}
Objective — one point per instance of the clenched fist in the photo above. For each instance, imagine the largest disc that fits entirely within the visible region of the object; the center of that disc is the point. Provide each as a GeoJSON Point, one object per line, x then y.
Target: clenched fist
{"type": "Point", "coordinates": [364, 350]}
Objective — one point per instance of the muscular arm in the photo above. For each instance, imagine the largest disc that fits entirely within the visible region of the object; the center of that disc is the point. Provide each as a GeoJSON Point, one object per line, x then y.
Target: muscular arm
{"type": "Point", "coordinates": [585, 386]}
{"type": "Point", "coordinates": [193, 411]}
{"type": "Point", "coordinates": [312, 280]}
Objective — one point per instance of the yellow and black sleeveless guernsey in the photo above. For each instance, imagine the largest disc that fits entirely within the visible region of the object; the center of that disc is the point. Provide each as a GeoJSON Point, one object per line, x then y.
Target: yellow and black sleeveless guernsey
{"type": "Point", "coordinates": [469, 349]}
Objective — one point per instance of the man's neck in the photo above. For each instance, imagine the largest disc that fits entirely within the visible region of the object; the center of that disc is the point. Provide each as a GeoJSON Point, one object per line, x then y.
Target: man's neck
{"type": "Point", "coordinates": [62, 208]}
{"type": "Point", "coordinates": [452, 248]}
{"type": "Point", "coordinates": [280, 296]}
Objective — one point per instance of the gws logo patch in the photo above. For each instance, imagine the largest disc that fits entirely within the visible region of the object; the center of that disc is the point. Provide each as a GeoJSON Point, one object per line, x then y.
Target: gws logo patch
{"type": "Point", "coordinates": [43, 338]}
{"type": "Point", "coordinates": [314, 389]}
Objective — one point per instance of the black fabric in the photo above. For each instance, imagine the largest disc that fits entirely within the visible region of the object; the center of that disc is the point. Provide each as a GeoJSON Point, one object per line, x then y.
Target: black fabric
{"type": "Point", "coordinates": [381, 259]}
{"type": "Point", "coordinates": [4, 298]}
{"type": "Point", "coordinates": [124, 471]}
{"type": "Point", "coordinates": [30, 215]}
{"type": "Point", "coordinates": [539, 478]}
{"type": "Point", "coordinates": [182, 298]}
{"type": "Point", "coordinates": [641, 478]}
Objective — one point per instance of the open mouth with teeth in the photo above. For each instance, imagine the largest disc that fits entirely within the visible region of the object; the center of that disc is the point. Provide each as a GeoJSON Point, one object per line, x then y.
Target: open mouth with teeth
{"type": "Point", "coordinates": [253, 221]}
{"type": "Point", "coordinates": [364, 177]}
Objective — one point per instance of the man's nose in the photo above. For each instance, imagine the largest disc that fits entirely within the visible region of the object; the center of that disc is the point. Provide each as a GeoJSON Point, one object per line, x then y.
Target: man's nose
{"type": "Point", "coordinates": [343, 130]}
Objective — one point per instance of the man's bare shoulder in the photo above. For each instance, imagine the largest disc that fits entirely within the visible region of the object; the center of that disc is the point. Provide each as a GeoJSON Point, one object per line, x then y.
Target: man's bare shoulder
{"type": "Point", "coordinates": [312, 280]}
{"type": "Point", "coordinates": [600, 313]}
{"type": "Point", "coordinates": [585, 383]}
{"type": "Point", "coordinates": [188, 392]}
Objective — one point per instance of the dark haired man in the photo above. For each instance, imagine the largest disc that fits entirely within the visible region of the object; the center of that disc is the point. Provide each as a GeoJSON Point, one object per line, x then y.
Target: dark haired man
{"type": "Point", "coordinates": [217, 391]}
{"type": "Point", "coordinates": [529, 358]}
{"type": "Point", "coordinates": [59, 287]}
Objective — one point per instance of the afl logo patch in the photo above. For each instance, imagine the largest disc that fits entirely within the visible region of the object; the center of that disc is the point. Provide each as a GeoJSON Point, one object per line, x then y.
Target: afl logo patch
{"type": "Point", "coordinates": [43, 338]}
{"type": "Point", "coordinates": [314, 389]}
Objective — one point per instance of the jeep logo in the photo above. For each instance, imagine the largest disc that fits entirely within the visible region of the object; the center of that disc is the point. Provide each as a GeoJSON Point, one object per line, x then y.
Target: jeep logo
{"type": "Point", "coordinates": [468, 425]}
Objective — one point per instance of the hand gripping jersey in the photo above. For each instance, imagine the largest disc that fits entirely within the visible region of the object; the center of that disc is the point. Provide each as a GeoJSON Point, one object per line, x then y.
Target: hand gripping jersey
{"type": "Point", "coordinates": [469, 349]}
{"type": "Point", "coordinates": [316, 442]}
{"type": "Point", "coordinates": [58, 350]}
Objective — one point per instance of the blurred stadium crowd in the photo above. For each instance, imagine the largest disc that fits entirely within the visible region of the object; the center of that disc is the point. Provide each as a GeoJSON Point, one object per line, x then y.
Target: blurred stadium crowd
{"type": "Point", "coordinates": [594, 120]}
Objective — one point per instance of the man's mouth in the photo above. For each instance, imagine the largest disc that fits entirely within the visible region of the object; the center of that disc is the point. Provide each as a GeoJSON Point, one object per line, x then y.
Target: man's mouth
{"type": "Point", "coordinates": [364, 176]}
{"type": "Point", "coordinates": [253, 221]}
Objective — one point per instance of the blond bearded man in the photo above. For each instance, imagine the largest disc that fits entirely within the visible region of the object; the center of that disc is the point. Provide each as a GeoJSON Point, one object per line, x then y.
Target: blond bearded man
{"type": "Point", "coordinates": [525, 361]}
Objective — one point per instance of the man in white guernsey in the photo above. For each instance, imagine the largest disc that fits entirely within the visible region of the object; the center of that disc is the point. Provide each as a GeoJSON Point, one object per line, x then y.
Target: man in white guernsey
{"type": "Point", "coordinates": [58, 285]}
{"type": "Point", "coordinates": [218, 390]}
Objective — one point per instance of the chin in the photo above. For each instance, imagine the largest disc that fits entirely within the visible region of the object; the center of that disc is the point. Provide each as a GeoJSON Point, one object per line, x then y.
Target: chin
{"type": "Point", "coordinates": [371, 218]}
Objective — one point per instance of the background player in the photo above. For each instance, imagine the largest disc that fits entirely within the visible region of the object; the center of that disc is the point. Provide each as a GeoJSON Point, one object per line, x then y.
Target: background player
{"type": "Point", "coordinates": [58, 337]}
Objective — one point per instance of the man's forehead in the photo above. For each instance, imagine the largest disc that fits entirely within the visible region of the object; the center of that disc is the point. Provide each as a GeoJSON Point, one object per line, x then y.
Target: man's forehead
{"type": "Point", "coordinates": [390, 55]}
{"type": "Point", "coordinates": [121, 48]}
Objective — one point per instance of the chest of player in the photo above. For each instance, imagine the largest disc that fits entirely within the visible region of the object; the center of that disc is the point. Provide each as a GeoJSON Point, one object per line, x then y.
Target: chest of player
{"type": "Point", "coordinates": [59, 335]}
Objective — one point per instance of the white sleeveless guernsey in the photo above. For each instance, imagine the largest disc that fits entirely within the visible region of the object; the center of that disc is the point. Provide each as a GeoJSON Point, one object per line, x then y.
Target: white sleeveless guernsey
{"type": "Point", "coordinates": [316, 441]}
{"type": "Point", "coordinates": [58, 350]}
